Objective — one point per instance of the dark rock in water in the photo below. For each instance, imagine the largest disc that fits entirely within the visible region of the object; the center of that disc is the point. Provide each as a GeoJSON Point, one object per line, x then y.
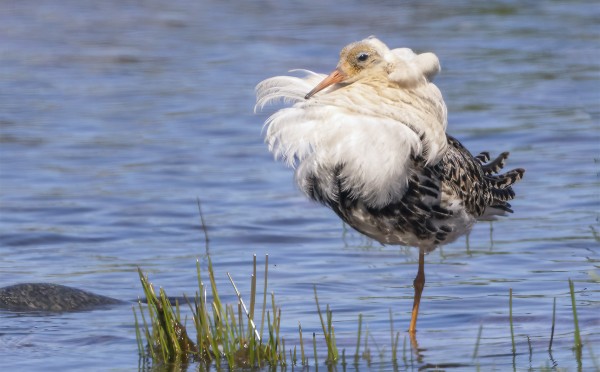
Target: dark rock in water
{"type": "Point", "coordinates": [47, 297]}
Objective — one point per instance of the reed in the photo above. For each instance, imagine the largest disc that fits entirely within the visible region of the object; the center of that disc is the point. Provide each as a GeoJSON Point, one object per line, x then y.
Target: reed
{"type": "Point", "coordinates": [328, 332]}
{"type": "Point", "coordinates": [394, 340]}
{"type": "Point", "coordinates": [315, 350]}
{"type": "Point", "coordinates": [356, 354]}
{"type": "Point", "coordinates": [530, 349]}
{"type": "Point", "coordinates": [477, 341]}
{"type": "Point", "coordinates": [553, 324]}
{"type": "Point", "coordinates": [303, 359]}
{"type": "Point", "coordinates": [577, 335]}
{"type": "Point", "coordinates": [510, 317]}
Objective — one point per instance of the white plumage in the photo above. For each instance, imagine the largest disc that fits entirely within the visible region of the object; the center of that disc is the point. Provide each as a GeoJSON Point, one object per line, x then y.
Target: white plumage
{"type": "Point", "coordinates": [358, 124]}
{"type": "Point", "coordinates": [370, 142]}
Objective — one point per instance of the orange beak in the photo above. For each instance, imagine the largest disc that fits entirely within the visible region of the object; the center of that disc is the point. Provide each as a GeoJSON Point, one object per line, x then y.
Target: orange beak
{"type": "Point", "coordinates": [335, 77]}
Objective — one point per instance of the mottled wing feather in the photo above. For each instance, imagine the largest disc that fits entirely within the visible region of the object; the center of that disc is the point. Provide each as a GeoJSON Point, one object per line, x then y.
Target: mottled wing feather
{"type": "Point", "coordinates": [476, 183]}
{"type": "Point", "coordinates": [483, 157]}
{"type": "Point", "coordinates": [495, 165]}
{"type": "Point", "coordinates": [427, 210]}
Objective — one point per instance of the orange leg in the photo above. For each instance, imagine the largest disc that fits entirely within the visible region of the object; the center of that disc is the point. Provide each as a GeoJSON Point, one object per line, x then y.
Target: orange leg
{"type": "Point", "coordinates": [419, 284]}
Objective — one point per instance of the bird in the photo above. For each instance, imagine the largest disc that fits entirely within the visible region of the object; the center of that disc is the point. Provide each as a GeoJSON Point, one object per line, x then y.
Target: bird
{"type": "Point", "coordinates": [369, 141]}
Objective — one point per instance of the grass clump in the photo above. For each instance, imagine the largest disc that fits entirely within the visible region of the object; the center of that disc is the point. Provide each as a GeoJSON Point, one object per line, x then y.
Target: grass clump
{"type": "Point", "coordinates": [232, 336]}
{"type": "Point", "coordinates": [169, 336]}
{"type": "Point", "coordinates": [221, 335]}
{"type": "Point", "coordinates": [328, 332]}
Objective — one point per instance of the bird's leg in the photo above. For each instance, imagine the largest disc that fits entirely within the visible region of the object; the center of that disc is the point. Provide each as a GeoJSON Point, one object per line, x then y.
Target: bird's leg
{"type": "Point", "coordinates": [419, 284]}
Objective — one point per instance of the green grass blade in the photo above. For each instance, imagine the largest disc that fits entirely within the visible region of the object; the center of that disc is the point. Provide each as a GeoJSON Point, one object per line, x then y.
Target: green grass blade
{"type": "Point", "coordinates": [530, 349]}
{"type": "Point", "coordinates": [477, 342]}
{"type": "Point", "coordinates": [356, 353]}
{"type": "Point", "coordinates": [578, 343]}
{"type": "Point", "coordinates": [251, 324]}
{"type": "Point", "coordinates": [203, 225]}
{"type": "Point", "coordinates": [394, 340]}
{"type": "Point", "coordinates": [553, 324]}
{"type": "Point", "coordinates": [264, 307]}
{"type": "Point", "coordinates": [138, 334]}
{"type": "Point", "coordinates": [283, 357]}
{"type": "Point", "coordinates": [510, 317]}
{"type": "Point", "coordinates": [277, 330]}
{"type": "Point", "coordinates": [302, 355]}
{"type": "Point", "coordinates": [367, 352]}
{"type": "Point", "coordinates": [315, 350]}
{"type": "Point", "coordinates": [331, 348]}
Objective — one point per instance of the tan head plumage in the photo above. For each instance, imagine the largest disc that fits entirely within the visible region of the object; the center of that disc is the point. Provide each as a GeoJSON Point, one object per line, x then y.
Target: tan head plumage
{"type": "Point", "coordinates": [371, 59]}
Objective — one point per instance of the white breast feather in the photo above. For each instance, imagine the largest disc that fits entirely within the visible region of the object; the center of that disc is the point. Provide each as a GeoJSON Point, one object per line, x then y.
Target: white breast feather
{"type": "Point", "coordinates": [362, 126]}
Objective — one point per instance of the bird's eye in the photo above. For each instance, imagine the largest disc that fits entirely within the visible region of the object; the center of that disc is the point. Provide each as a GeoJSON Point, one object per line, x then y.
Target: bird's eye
{"type": "Point", "coordinates": [362, 57]}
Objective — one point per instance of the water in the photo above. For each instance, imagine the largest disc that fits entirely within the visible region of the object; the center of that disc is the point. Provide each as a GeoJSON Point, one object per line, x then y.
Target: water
{"type": "Point", "coordinates": [116, 116]}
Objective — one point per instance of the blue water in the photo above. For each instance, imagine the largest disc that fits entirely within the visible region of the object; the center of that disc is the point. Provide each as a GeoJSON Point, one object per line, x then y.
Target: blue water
{"type": "Point", "coordinates": [116, 116]}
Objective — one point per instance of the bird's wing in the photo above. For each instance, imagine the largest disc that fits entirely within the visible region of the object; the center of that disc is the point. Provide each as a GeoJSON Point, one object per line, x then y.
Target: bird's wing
{"type": "Point", "coordinates": [477, 184]}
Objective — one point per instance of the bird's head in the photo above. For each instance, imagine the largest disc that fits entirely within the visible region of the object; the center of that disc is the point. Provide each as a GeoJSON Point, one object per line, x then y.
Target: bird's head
{"type": "Point", "coordinates": [357, 60]}
{"type": "Point", "coordinates": [371, 59]}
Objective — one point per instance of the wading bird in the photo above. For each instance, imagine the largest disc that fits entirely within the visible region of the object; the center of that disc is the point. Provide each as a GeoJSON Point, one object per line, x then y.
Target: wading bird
{"type": "Point", "coordinates": [369, 141]}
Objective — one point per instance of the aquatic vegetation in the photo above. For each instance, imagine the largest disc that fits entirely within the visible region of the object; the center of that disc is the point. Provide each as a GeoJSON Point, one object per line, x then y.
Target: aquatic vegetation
{"type": "Point", "coordinates": [231, 335]}
{"type": "Point", "coordinates": [221, 336]}
{"type": "Point", "coordinates": [220, 332]}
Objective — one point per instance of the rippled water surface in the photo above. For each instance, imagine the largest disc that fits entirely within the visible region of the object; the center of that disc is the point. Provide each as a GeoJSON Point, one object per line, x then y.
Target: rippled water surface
{"type": "Point", "coordinates": [116, 116]}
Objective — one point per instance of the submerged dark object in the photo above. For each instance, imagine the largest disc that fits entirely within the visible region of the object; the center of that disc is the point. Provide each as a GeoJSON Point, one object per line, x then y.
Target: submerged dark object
{"type": "Point", "coordinates": [48, 297]}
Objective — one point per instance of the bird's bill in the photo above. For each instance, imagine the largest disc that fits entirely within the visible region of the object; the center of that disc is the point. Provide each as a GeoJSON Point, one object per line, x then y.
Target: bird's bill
{"type": "Point", "coordinates": [335, 77]}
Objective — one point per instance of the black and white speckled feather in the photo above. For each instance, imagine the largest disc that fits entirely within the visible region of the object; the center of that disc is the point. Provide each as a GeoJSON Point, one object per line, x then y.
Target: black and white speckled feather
{"type": "Point", "coordinates": [441, 202]}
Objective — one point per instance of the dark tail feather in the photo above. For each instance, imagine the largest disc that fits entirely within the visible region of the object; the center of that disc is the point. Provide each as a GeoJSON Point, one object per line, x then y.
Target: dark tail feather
{"type": "Point", "coordinates": [495, 165]}
{"type": "Point", "coordinates": [506, 207]}
{"type": "Point", "coordinates": [503, 181]}
{"type": "Point", "coordinates": [483, 157]}
{"type": "Point", "coordinates": [502, 195]}
{"type": "Point", "coordinates": [501, 184]}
